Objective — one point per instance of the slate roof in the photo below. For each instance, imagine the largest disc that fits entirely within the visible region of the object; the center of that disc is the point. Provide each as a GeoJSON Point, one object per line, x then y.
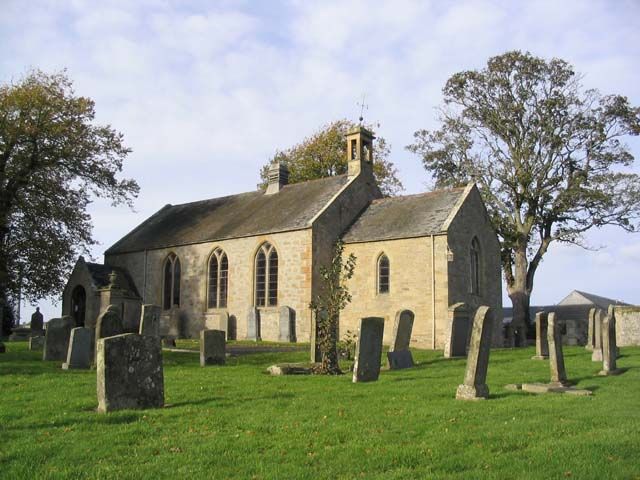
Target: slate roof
{"type": "Point", "coordinates": [242, 215]}
{"type": "Point", "coordinates": [100, 275]}
{"type": "Point", "coordinates": [597, 300]}
{"type": "Point", "coordinates": [404, 217]}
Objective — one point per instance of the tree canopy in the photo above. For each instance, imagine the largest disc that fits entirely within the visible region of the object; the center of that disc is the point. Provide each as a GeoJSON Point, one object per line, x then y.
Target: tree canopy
{"type": "Point", "coordinates": [53, 161]}
{"type": "Point", "coordinates": [324, 154]}
{"type": "Point", "coordinates": [547, 155]}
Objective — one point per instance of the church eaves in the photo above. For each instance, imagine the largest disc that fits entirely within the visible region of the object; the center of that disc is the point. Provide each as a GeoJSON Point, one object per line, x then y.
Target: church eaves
{"type": "Point", "coordinates": [234, 216]}
{"type": "Point", "coordinates": [404, 217]}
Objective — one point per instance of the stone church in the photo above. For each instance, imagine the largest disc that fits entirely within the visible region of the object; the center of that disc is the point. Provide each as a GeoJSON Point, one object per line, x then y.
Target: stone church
{"type": "Point", "coordinates": [235, 262]}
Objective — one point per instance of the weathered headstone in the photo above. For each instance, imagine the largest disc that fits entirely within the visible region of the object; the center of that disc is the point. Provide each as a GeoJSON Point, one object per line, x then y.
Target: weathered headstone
{"type": "Point", "coordinates": [556, 358]}
{"type": "Point", "coordinates": [609, 346]}
{"type": "Point", "coordinates": [596, 356]}
{"type": "Point", "coordinates": [129, 372]}
{"type": "Point", "coordinates": [458, 332]}
{"type": "Point", "coordinates": [368, 350]}
{"type": "Point", "coordinates": [37, 323]}
{"type": "Point", "coordinates": [591, 330]}
{"type": "Point", "coordinates": [109, 323]}
{"type": "Point", "coordinates": [223, 324]}
{"type": "Point", "coordinates": [399, 355]}
{"type": "Point", "coordinates": [36, 344]}
{"type": "Point", "coordinates": [542, 343]}
{"type": "Point", "coordinates": [212, 347]}
{"type": "Point", "coordinates": [80, 352]}
{"type": "Point", "coordinates": [286, 320]}
{"type": "Point", "coordinates": [253, 324]}
{"type": "Point", "coordinates": [56, 341]}
{"type": "Point", "coordinates": [150, 320]}
{"type": "Point", "coordinates": [475, 378]}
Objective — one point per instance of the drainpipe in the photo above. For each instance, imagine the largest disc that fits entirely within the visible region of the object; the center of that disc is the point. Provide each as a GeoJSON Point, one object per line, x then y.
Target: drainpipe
{"type": "Point", "coordinates": [144, 282]}
{"type": "Point", "coordinates": [433, 292]}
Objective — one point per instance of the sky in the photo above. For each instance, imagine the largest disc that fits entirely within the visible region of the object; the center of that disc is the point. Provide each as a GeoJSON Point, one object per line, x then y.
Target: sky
{"type": "Point", "coordinates": [206, 92]}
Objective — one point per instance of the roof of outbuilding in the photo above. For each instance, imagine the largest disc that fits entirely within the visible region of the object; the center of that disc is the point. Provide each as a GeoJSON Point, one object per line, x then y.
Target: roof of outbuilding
{"type": "Point", "coordinates": [602, 302]}
{"type": "Point", "coordinates": [404, 217]}
{"type": "Point", "coordinates": [242, 215]}
{"type": "Point", "coordinates": [100, 275]}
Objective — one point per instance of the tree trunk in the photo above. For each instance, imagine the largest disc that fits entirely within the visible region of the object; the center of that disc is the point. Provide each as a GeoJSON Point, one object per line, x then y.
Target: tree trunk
{"type": "Point", "coordinates": [329, 348]}
{"type": "Point", "coordinates": [520, 295]}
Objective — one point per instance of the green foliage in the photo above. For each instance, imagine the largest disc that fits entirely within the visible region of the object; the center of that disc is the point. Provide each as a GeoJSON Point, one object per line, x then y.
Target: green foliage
{"type": "Point", "coordinates": [545, 154]}
{"type": "Point", "coordinates": [347, 346]}
{"type": "Point", "coordinates": [53, 158]}
{"type": "Point", "coordinates": [233, 422]}
{"type": "Point", "coordinates": [324, 154]}
{"type": "Point", "coordinates": [334, 297]}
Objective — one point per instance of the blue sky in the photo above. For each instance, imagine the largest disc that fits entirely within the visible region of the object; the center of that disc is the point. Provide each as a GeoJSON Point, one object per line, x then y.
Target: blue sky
{"type": "Point", "coordinates": [205, 92]}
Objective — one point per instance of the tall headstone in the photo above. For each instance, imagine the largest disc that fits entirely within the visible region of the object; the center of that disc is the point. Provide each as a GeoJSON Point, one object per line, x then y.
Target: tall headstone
{"type": "Point", "coordinates": [609, 346]}
{"type": "Point", "coordinates": [36, 344]}
{"type": "Point", "coordinates": [542, 343]}
{"type": "Point", "coordinates": [150, 320]}
{"type": "Point", "coordinates": [475, 378]}
{"type": "Point", "coordinates": [368, 350]}
{"type": "Point", "coordinates": [212, 347]}
{"type": "Point", "coordinates": [224, 325]}
{"type": "Point", "coordinates": [37, 323]}
{"type": "Point", "coordinates": [109, 323]}
{"type": "Point", "coordinates": [286, 321]}
{"type": "Point", "coordinates": [56, 340]}
{"type": "Point", "coordinates": [596, 356]}
{"type": "Point", "coordinates": [458, 334]}
{"type": "Point", "coordinates": [399, 355]}
{"type": "Point", "coordinates": [556, 358]}
{"type": "Point", "coordinates": [80, 352]}
{"type": "Point", "coordinates": [253, 324]}
{"type": "Point", "coordinates": [129, 372]}
{"type": "Point", "coordinates": [591, 330]}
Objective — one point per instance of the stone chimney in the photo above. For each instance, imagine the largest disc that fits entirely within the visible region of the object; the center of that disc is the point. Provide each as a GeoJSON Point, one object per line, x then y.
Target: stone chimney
{"type": "Point", "coordinates": [359, 151]}
{"type": "Point", "coordinates": [278, 175]}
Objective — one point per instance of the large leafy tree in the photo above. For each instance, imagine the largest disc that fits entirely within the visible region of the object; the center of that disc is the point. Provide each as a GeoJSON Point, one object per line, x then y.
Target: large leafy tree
{"type": "Point", "coordinates": [547, 155]}
{"type": "Point", "coordinates": [53, 160]}
{"type": "Point", "coordinates": [324, 154]}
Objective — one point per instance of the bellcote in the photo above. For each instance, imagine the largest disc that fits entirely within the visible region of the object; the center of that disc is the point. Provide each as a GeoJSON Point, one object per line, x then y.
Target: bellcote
{"type": "Point", "coordinates": [278, 176]}
{"type": "Point", "coordinates": [359, 151]}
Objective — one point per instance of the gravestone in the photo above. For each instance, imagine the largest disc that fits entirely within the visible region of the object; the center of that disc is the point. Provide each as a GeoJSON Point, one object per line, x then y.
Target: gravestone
{"type": "Point", "coordinates": [596, 356]}
{"type": "Point", "coordinates": [475, 378]}
{"type": "Point", "coordinates": [80, 352]}
{"type": "Point", "coordinates": [368, 350]}
{"type": "Point", "coordinates": [129, 372]}
{"type": "Point", "coordinates": [56, 340]}
{"type": "Point", "coordinates": [150, 320]}
{"type": "Point", "coordinates": [399, 355]}
{"type": "Point", "coordinates": [542, 343]}
{"type": "Point", "coordinates": [109, 323]}
{"type": "Point", "coordinates": [287, 324]}
{"type": "Point", "coordinates": [169, 342]}
{"type": "Point", "coordinates": [591, 330]}
{"type": "Point", "coordinates": [456, 343]}
{"type": "Point", "coordinates": [253, 324]}
{"type": "Point", "coordinates": [37, 323]}
{"type": "Point", "coordinates": [609, 346]}
{"type": "Point", "coordinates": [556, 358]}
{"type": "Point", "coordinates": [212, 347]}
{"type": "Point", "coordinates": [36, 344]}
{"type": "Point", "coordinates": [223, 324]}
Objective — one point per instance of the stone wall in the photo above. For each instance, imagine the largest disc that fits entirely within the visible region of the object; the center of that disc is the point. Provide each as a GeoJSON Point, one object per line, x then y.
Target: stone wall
{"type": "Point", "coordinates": [628, 326]}
{"type": "Point", "coordinates": [410, 287]}
{"type": "Point", "coordinates": [294, 281]}
{"type": "Point", "coordinates": [472, 220]}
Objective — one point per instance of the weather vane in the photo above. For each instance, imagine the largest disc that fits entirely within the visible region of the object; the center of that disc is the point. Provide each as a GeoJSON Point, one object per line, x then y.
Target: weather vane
{"type": "Point", "coordinates": [363, 107]}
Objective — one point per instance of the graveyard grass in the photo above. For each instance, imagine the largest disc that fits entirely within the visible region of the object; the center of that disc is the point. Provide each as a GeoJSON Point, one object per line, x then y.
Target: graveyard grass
{"type": "Point", "coordinates": [234, 421]}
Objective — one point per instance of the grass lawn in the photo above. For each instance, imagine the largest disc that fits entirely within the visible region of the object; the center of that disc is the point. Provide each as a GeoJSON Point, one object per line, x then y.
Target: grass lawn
{"type": "Point", "coordinates": [236, 422]}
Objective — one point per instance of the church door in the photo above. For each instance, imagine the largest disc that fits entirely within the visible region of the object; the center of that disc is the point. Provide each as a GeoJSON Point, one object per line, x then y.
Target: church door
{"type": "Point", "coordinates": [78, 305]}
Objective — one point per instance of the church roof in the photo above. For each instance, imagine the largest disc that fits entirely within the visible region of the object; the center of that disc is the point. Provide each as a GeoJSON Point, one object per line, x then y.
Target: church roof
{"type": "Point", "coordinates": [577, 297]}
{"type": "Point", "coordinates": [100, 275]}
{"type": "Point", "coordinates": [404, 217]}
{"type": "Point", "coordinates": [243, 215]}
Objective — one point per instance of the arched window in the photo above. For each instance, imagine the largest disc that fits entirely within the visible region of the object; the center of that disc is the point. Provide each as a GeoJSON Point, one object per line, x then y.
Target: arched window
{"type": "Point", "coordinates": [474, 264]}
{"type": "Point", "coordinates": [266, 276]}
{"type": "Point", "coordinates": [171, 282]}
{"type": "Point", "coordinates": [218, 279]}
{"type": "Point", "coordinates": [383, 274]}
